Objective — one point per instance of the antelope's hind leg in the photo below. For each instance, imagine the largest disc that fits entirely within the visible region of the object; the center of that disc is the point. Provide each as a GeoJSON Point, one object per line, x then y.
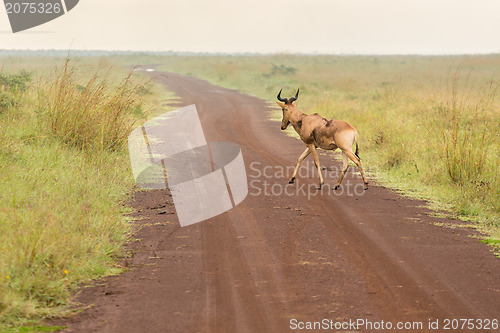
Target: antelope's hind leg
{"type": "Point", "coordinates": [357, 161]}
{"type": "Point", "coordinates": [299, 161]}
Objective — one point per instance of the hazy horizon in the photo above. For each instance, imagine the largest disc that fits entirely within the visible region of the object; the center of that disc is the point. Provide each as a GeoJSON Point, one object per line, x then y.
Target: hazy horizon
{"type": "Point", "coordinates": [63, 52]}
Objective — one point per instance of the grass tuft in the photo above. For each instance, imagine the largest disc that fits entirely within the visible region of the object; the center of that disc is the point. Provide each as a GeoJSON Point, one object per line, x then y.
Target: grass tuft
{"type": "Point", "coordinates": [90, 116]}
{"type": "Point", "coordinates": [466, 137]}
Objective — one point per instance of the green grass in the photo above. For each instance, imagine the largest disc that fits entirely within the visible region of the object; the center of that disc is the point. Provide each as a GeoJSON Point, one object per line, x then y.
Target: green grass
{"type": "Point", "coordinates": [65, 180]}
{"type": "Point", "coordinates": [33, 329]}
{"type": "Point", "coordinates": [429, 126]}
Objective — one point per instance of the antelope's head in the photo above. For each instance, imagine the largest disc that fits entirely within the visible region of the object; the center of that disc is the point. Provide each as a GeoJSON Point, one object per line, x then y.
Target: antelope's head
{"type": "Point", "coordinates": [286, 108]}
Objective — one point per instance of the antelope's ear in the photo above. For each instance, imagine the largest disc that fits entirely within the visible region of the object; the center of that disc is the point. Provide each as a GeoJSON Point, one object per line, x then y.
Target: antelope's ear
{"type": "Point", "coordinates": [281, 105]}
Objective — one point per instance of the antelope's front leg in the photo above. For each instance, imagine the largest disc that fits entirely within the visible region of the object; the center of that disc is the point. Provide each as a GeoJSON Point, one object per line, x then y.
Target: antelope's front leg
{"type": "Point", "coordinates": [301, 158]}
{"type": "Point", "coordinates": [314, 153]}
{"type": "Point", "coordinates": [345, 166]}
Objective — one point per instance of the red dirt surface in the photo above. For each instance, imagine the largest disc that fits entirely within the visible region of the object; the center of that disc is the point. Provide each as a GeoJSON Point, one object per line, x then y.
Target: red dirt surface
{"type": "Point", "coordinates": [337, 256]}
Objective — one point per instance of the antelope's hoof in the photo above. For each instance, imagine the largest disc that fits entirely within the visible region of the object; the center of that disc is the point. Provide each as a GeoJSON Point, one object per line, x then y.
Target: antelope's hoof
{"type": "Point", "coordinates": [366, 186]}
{"type": "Point", "coordinates": [291, 181]}
{"type": "Point", "coordinates": [319, 186]}
{"type": "Point", "coordinates": [336, 187]}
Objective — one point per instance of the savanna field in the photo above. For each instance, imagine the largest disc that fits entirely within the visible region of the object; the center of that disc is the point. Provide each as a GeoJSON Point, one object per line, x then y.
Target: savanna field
{"type": "Point", "coordinates": [429, 127]}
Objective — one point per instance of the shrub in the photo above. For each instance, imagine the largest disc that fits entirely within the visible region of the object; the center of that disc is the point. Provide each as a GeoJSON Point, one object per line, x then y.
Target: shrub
{"type": "Point", "coordinates": [11, 89]}
{"type": "Point", "coordinates": [16, 81]}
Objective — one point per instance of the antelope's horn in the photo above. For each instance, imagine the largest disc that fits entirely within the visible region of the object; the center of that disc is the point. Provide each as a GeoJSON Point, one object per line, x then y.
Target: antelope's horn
{"type": "Point", "coordinates": [281, 99]}
{"type": "Point", "coordinates": [293, 99]}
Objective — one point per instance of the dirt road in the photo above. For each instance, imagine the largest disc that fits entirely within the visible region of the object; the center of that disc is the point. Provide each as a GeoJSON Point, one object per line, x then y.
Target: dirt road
{"type": "Point", "coordinates": [279, 259]}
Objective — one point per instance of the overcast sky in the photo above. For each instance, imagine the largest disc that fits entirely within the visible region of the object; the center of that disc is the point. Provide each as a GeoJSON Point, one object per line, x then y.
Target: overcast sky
{"type": "Point", "coordinates": [305, 26]}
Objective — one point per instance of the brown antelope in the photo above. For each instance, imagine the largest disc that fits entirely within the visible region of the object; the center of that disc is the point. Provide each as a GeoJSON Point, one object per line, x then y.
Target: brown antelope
{"type": "Point", "coordinates": [318, 132]}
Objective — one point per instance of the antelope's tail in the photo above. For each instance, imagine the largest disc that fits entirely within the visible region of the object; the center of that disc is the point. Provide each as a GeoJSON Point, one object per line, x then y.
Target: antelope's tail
{"type": "Point", "coordinates": [357, 146]}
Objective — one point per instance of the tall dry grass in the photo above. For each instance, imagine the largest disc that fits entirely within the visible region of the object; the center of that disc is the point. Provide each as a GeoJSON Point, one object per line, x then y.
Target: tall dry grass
{"type": "Point", "coordinates": [93, 115]}
{"type": "Point", "coordinates": [464, 107]}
